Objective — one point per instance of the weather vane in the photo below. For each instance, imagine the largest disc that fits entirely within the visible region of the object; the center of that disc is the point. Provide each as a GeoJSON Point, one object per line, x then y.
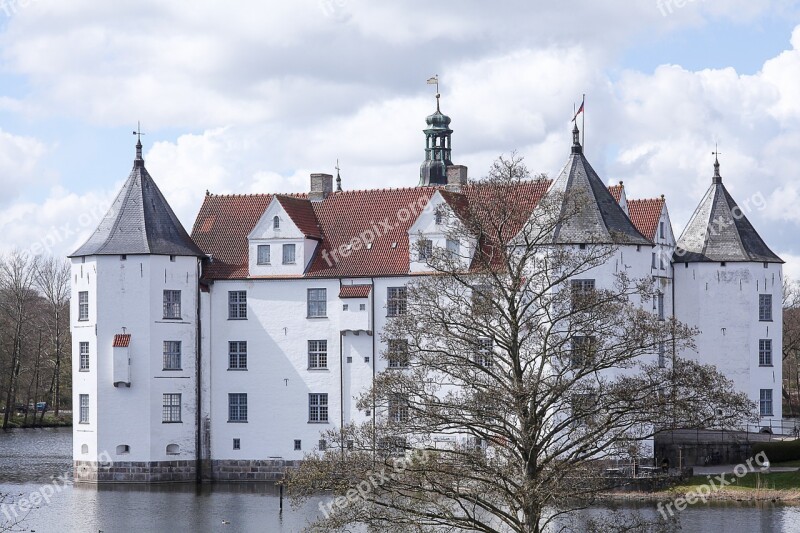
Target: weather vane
{"type": "Point", "coordinates": [435, 81]}
{"type": "Point", "coordinates": [139, 131]}
{"type": "Point", "coordinates": [716, 153]}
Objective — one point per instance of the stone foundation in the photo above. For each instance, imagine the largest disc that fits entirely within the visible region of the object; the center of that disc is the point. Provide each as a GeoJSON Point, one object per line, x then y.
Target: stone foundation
{"type": "Point", "coordinates": [252, 470]}
{"type": "Point", "coordinates": [134, 472]}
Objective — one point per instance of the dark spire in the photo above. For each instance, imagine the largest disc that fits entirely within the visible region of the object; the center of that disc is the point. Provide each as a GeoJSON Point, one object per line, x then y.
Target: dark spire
{"type": "Point", "coordinates": [576, 140]}
{"type": "Point", "coordinates": [338, 178]}
{"type": "Point", "coordinates": [717, 177]}
{"type": "Point", "coordinates": [139, 161]}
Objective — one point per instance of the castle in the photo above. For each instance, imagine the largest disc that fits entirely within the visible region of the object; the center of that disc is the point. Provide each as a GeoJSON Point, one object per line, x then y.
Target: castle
{"type": "Point", "coordinates": [224, 353]}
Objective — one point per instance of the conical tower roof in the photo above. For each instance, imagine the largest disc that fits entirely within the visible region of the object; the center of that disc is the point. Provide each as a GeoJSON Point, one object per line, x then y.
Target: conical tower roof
{"type": "Point", "coordinates": [598, 218]}
{"type": "Point", "coordinates": [719, 231]}
{"type": "Point", "coordinates": [140, 221]}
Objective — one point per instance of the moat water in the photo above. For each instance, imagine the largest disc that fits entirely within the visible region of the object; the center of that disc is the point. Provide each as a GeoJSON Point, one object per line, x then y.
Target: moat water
{"type": "Point", "coordinates": [31, 459]}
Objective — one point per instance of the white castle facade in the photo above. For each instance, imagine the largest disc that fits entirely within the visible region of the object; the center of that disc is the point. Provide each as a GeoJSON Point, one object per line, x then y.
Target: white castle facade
{"type": "Point", "coordinates": [223, 354]}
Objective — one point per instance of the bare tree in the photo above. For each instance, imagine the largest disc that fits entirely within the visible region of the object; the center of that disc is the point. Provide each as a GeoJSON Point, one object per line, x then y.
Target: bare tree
{"type": "Point", "coordinates": [791, 345]}
{"type": "Point", "coordinates": [52, 280]}
{"type": "Point", "coordinates": [17, 293]}
{"type": "Point", "coordinates": [508, 388]}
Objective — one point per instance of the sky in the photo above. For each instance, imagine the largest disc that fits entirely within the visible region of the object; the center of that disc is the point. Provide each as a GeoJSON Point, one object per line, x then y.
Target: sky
{"type": "Point", "coordinates": [253, 96]}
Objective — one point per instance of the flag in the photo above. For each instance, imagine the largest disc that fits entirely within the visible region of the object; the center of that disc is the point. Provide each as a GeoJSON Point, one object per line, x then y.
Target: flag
{"type": "Point", "coordinates": [433, 81]}
{"type": "Point", "coordinates": [578, 112]}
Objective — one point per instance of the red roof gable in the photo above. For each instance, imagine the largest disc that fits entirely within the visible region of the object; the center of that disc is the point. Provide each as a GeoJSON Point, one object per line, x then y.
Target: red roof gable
{"type": "Point", "coordinates": [645, 215]}
{"type": "Point", "coordinates": [122, 340]}
{"type": "Point", "coordinates": [302, 214]}
{"type": "Point", "coordinates": [344, 220]}
{"type": "Point", "coordinates": [616, 191]}
{"type": "Point", "coordinates": [354, 291]}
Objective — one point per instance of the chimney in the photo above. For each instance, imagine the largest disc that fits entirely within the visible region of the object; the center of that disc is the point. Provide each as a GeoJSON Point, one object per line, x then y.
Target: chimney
{"type": "Point", "coordinates": [456, 178]}
{"type": "Point", "coordinates": [321, 187]}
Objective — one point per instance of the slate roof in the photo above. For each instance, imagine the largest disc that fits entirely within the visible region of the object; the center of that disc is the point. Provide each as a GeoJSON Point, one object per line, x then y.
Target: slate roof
{"type": "Point", "coordinates": [600, 218]}
{"type": "Point", "coordinates": [719, 231]}
{"type": "Point", "coordinates": [225, 221]}
{"type": "Point", "coordinates": [140, 221]}
{"type": "Point", "coordinates": [645, 215]}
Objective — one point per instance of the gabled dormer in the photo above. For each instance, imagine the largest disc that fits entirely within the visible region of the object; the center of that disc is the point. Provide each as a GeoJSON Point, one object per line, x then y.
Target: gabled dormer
{"type": "Point", "coordinates": [438, 230]}
{"type": "Point", "coordinates": [285, 238]}
{"type": "Point", "coordinates": [651, 218]}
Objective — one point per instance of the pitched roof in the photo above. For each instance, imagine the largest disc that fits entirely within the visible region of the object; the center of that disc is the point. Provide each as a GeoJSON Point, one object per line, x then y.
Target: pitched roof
{"type": "Point", "coordinates": [122, 340]}
{"type": "Point", "coordinates": [645, 215]}
{"type": "Point", "coordinates": [354, 291]}
{"type": "Point", "coordinates": [599, 219]}
{"type": "Point", "coordinates": [140, 221]}
{"type": "Point", "coordinates": [381, 217]}
{"type": "Point", "coordinates": [616, 191]}
{"type": "Point", "coordinates": [302, 214]}
{"type": "Point", "coordinates": [719, 231]}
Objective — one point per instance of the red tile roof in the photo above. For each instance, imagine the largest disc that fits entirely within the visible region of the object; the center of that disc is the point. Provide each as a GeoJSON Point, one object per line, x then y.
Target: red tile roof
{"type": "Point", "coordinates": [302, 214]}
{"type": "Point", "coordinates": [616, 191]}
{"type": "Point", "coordinates": [345, 221]}
{"type": "Point", "coordinates": [354, 291]}
{"type": "Point", "coordinates": [645, 215]}
{"type": "Point", "coordinates": [122, 340]}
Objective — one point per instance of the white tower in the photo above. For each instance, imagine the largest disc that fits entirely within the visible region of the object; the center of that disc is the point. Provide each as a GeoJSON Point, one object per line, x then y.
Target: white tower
{"type": "Point", "coordinates": [135, 327]}
{"type": "Point", "coordinates": [728, 284]}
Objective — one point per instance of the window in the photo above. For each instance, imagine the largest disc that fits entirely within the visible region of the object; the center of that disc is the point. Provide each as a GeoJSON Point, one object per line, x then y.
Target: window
{"type": "Point", "coordinates": [662, 357]}
{"type": "Point", "coordinates": [237, 407]}
{"type": "Point", "coordinates": [263, 254]}
{"type": "Point", "coordinates": [288, 254]}
{"type": "Point", "coordinates": [84, 356]}
{"type": "Point", "coordinates": [398, 408]}
{"type": "Point", "coordinates": [483, 351]}
{"type": "Point", "coordinates": [318, 408]}
{"type": "Point", "coordinates": [345, 307]}
{"type": "Point", "coordinates": [396, 301]}
{"type": "Point", "coordinates": [317, 302]}
{"type": "Point", "coordinates": [425, 249]}
{"type": "Point", "coordinates": [440, 216]}
{"type": "Point", "coordinates": [653, 261]}
{"type": "Point", "coordinates": [237, 355]}
{"type": "Point", "coordinates": [237, 305]}
{"type": "Point", "coordinates": [171, 412]}
{"type": "Point", "coordinates": [172, 355]}
{"type": "Point", "coordinates": [452, 247]}
{"type": "Point", "coordinates": [582, 293]}
{"type": "Point", "coordinates": [84, 409]}
{"type": "Point", "coordinates": [661, 229]}
{"type": "Point", "coordinates": [122, 449]}
{"type": "Point", "coordinates": [662, 262]}
{"type": "Point", "coordinates": [362, 307]}
{"type": "Point", "coordinates": [173, 449]}
{"type": "Point", "coordinates": [660, 305]}
{"type": "Point", "coordinates": [298, 444]}
{"type": "Point", "coordinates": [123, 257]}
{"type": "Point", "coordinates": [765, 352]}
{"type": "Point", "coordinates": [172, 304]}
{"type": "Point", "coordinates": [276, 222]}
{"type": "Point", "coordinates": [398, 353]}
{"type": "Point", "coordinates": [765, 403]}
{"type": "Point", "coordinates": [481, 300]}
{"type": "Point", "coordinates": [237, 444]}
{"type": "Point", "coordinates": [172, 258]}
{"type": "Point", "coordinates": [765, 307]}
{"type": "Point", "coordinates": [392, 446]}
{"type": "Point", "coordinates": [83, 305]}
{"type": "Point", "coordinates": [584, 408]}
{"type": "Point", "coordinates": [583, 347]}
{"type": "Point", "coordinates": [323, 445]}
{"type": "Point", "coordinates": [317, 354]}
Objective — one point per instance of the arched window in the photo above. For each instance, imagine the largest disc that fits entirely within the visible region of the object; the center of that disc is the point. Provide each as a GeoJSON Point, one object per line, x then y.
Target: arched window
{"type": "Point", "coordinates": [276, 222]}
{"type": "Point", "coordinates": [173, 449]}
{"type": "Point", "coordinates": [123, 449]}
{"type": "Point", "coordinates": [84, 448]}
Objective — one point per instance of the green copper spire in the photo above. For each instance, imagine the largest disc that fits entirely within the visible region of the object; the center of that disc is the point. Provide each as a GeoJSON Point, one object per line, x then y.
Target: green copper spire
{"type": "Point", "coordinates": [433, 170]}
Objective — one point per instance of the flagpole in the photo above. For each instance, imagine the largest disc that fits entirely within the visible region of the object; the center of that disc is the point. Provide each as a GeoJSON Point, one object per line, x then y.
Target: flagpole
{"type": "Point", "coordinates": [583, 120]}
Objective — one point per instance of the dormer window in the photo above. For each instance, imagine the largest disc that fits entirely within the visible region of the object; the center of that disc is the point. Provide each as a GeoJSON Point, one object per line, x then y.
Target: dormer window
{"type": "Point", "coordinates": [276, 222]}
{"type": "Point", "coordinates": [425, 249]}
{"type": "Point", "coordinates": [263, 254]}
{"type": "Point", "coordinates": [288, 254]}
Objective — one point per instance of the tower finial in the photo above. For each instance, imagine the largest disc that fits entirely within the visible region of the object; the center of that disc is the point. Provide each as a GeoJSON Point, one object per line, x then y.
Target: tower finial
{"type": "Point", "coordinates": [139, 160]}
{"type": "Point", "coordinates": [576, 140]}
{"type": "Point", "coordinates": [717, 176]}
{"type": "Point", "coordinates": [338, 177]}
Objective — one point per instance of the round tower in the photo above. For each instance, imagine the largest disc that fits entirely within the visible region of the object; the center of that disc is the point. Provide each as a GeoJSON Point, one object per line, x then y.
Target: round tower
{"type": "Point", "coordinates": [135, 329]}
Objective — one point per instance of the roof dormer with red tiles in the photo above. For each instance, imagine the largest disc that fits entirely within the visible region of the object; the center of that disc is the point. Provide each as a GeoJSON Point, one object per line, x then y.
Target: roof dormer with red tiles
{"type": "Point", "coordinates": [437, 231]}
{"type": "Point", "coordinates": [285, 238]}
